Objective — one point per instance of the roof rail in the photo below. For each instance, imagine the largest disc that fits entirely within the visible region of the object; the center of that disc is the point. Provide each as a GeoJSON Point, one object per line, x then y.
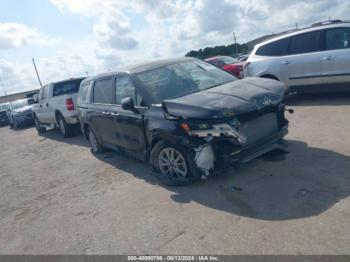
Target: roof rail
{"type": "Point", "coordinates": [328, 22]}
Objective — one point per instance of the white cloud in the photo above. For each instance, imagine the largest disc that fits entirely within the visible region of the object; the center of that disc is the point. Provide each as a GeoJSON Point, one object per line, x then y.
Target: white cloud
{"type": "Point", "coordinates": [169, 28]}
{"type": "Point", "coordinates": [18, 35]}
{"type": "Point", "coordinates": [17, 77]}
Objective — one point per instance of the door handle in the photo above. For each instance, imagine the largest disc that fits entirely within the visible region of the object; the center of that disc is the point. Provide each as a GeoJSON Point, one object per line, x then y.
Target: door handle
{"type": "Point", "coordinates": [47, 104]}
{"type": "Point", "coordinates": [285, 62]}
{"type": "Point", "coordinates": [106, 113]}
{"type": "Point", "coordinates": [328, 58]}
{"type": "Point", "coordinates": [114, 114]}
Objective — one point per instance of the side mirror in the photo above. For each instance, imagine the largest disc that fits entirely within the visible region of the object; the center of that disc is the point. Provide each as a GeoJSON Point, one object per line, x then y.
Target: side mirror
{"type": "Point", "coordinates": [35, 98]}
{"type": "Point", "coordinates": [128, 104]}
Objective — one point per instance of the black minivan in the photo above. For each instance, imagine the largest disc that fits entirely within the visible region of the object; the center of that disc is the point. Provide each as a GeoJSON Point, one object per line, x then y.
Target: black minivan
{"type": "Point", "coordinates": [187, 118]}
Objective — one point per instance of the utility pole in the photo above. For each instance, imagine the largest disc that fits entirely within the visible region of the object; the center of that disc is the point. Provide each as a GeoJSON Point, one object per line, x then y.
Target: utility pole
{"type": "Point", "coordinates": [36, 71]}
{"type": "Point", "coordinates": [235, 39]}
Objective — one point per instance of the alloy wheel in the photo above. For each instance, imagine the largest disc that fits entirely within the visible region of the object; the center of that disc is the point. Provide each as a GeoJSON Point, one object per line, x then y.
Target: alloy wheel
{"type": "Point", "coordinates": [172, 163]}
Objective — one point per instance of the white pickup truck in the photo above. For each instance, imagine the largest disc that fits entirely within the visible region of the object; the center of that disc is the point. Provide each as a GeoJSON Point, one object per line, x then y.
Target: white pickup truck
{"type": "Point", "coordinates": [56, 105]}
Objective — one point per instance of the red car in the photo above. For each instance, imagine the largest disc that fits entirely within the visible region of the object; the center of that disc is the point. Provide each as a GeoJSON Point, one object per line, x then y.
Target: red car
{"type": "Point", "coordinates": [227, 63]}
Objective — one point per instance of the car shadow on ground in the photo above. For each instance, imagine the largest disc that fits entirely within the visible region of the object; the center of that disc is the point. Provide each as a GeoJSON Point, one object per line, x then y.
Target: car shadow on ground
{"type": "Point", "coordinates": [330, 99]}
{"type": "Point", "coordinates": [76, 139]}
{"type": "Point", "coordinates": [303, 183]}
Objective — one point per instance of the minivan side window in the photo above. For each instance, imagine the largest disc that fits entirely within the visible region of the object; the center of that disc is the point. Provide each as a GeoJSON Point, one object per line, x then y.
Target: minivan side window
{"type": "Point", "coordinates": [337, 38]}
{"type": "Point", "coordinates": [305, 43]}
{"type": "Point", "coordinates": [123, 89]}
{"type": "Point", "coordinates": [276, 48]}
{"type": "Point", "coordinates": [104, 91]}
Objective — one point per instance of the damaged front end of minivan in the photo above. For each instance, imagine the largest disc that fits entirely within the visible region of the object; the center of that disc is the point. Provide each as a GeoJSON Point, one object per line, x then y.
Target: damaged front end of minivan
{"type": "Point", "coordinates": [226, 135]}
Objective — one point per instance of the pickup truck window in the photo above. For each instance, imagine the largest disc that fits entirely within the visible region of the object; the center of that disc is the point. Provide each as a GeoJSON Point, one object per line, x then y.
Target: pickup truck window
{"type": "Point", "coordinates": [67, 87]}
{"type": "Point", "coordinates": [104, 91]}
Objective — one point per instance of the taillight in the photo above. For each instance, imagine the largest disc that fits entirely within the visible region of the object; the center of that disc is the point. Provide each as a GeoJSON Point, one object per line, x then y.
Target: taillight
{"type": "Point", "coordinates": [70, 104]}
{"type": "Point", "coordinates": [240, 71]}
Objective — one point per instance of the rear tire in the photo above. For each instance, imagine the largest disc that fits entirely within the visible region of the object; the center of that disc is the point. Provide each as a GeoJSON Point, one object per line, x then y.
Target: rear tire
{"type": "Point", "coordinates": [95, 146]}
{"type": "Point", "coordinates": [174, 165]}
{"type": "Point", "coordinates": [65, 129]}
{"type": "Point", "coordinates": [38, 126]}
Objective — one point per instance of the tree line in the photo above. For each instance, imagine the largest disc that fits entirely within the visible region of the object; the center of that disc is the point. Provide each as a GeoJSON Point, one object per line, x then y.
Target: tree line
{"type": "Point", "coordinates": [229, 50]}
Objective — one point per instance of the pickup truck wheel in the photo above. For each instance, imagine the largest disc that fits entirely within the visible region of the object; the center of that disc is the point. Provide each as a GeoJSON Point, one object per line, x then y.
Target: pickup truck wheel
{"type": "Point", "coordinates": [38, 126]}
{"type": "Point", "coordinates": [65, 129]}
{"type": "Point", "coordinates": [96, 147]}
{"type": "Point", "coordinates": [173, 164]}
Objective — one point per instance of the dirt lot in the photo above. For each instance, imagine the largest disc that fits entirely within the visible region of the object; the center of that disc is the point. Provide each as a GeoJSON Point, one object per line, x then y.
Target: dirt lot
{"type": "Point", "coordinates": [58, 198]}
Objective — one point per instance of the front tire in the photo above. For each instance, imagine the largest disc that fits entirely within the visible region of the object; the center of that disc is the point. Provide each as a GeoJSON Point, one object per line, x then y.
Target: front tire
{"type": "Point", "coordinates": [65, 129]}
{"type": "Point", "coordinates": [174, 165]}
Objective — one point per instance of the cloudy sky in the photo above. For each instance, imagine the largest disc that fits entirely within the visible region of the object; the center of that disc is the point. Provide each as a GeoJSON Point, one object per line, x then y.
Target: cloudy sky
{"type": "Point", "coordinates": [71, 37]}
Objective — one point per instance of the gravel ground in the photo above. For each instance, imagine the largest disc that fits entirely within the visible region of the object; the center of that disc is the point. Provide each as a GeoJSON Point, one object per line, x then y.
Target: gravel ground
{"type": "Point", "coordinates": [58, 198]}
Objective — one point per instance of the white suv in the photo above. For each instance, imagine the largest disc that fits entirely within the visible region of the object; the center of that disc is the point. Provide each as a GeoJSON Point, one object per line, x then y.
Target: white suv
{"type": "Point", "coordinates": [311, 59]}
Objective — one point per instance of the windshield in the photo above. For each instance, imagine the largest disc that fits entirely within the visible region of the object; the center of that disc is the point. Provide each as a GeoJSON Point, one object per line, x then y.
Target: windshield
{"type": "Point", "coordinates": [19, 103]}
{"type": "Point", "coordinates": [179, 79]}
{"type": "Point", "coordinates": [228, 60]}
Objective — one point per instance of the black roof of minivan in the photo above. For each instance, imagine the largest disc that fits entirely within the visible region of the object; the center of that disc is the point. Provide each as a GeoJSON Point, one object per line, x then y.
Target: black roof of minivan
{"type": "Point", "coordinates": [134, 69]}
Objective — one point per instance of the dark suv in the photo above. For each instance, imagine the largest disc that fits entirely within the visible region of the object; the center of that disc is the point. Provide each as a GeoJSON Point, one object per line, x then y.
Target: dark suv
{"type": "Point", "coordinates": [185, 116]}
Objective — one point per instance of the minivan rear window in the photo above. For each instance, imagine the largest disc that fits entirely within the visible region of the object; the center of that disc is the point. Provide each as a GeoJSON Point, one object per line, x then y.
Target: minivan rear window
{"type": "Point", "coordinates": [276, 48]}
{"type": "Point", "coordinates": [67, 87]}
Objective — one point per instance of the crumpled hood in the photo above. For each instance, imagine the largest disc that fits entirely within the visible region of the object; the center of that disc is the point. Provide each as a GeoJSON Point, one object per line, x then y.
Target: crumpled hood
{"type": "Point", "coordinates": [25, 109]}
{"type": "Point", "coordinates": [234, 98]}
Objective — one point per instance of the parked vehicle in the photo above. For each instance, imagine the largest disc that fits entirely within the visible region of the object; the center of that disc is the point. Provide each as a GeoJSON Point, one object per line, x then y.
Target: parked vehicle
{"type": "Point", "coordinates": [308, 60]}
{"type": "Point", "coordinates": [186, 117]}
{"type": "Point", "coordinates": [3, 114]}
{"type": "Point", "coordinates": [227, 63]}
{"type": "Point", "coordinates": [55, 105]}
{"type": "Point", "coordinates": [20, 113]}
